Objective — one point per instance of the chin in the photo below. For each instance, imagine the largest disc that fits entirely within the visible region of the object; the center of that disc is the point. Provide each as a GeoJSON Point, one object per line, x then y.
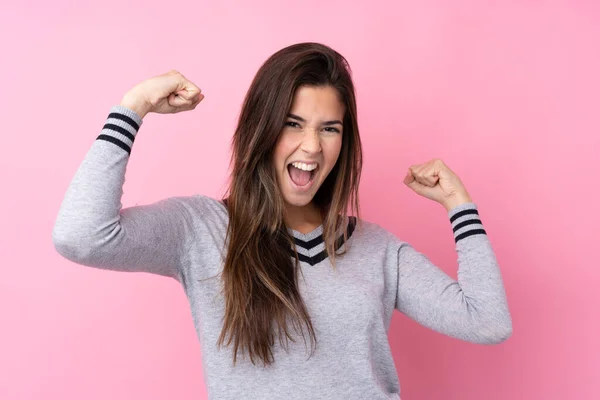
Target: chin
{"type": "Point", "coordinates": [297, 201]}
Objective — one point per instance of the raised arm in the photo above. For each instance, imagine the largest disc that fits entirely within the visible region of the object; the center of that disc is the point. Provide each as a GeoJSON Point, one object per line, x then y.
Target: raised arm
{"type": "Point", "coordinates": [92, 228]}
{"type": "Point", "coordinates": [474, 308]}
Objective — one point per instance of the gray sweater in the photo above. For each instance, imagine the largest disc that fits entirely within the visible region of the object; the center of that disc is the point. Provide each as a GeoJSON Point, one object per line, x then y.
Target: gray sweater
{"type": "Point", "coordinates": [350, 307]}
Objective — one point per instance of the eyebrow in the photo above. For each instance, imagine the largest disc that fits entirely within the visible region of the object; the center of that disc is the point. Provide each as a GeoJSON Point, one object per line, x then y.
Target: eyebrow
{"type": "Point", "coordinates": [294, 116]}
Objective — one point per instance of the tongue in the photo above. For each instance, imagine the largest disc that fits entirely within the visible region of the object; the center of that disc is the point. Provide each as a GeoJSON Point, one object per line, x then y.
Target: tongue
{"type": "Point", "coordinates": [299, 176]}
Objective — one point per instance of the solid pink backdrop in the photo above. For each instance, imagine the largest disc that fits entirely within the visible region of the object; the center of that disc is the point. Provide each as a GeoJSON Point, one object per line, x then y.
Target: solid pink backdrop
{"type": "Point", "coordinates": [505, 93]}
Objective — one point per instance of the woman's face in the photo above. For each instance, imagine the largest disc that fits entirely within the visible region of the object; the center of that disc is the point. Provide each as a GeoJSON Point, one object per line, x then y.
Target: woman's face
{"type": "Point", "coordinates": [309, 144]}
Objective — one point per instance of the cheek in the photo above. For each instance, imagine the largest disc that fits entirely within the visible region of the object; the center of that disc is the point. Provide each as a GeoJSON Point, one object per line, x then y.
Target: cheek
{"type": "Point", "coordinates": [281, 153]}
{"type": "Point", "coordinates": [333, 151]}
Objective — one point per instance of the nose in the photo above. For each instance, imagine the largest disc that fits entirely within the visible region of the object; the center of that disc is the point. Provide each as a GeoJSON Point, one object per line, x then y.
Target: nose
{"type": "Point", "coordinates": [311, 143]}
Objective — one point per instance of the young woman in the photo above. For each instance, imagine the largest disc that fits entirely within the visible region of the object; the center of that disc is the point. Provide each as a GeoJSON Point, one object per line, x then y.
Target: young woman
{"type": "Point", "coordinates": [279, 258]}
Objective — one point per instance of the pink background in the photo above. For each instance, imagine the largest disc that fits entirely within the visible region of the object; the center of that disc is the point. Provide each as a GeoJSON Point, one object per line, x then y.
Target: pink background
{"type": "Point", "coordinates": [506, 93]}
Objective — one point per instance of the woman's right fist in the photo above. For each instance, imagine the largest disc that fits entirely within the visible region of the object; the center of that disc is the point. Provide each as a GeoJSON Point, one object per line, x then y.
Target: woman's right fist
{"type": "Point", "coordinates": [163, 94]}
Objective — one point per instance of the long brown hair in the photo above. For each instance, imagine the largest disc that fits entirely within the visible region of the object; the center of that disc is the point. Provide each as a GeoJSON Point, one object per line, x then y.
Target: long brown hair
{"type": "Point", "coordinates": [260, 277]}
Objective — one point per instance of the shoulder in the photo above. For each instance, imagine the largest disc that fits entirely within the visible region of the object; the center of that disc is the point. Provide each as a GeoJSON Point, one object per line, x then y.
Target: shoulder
{"type": "Point", "coordinates": [207, 204]}
{"type": "Point", "coordinates": [200, 209]}
{"type": "Point", "coordinates": [375, 230]}
{"type": "Point", "coordinates": [199, 203]}
{"type": "Point", "coordinates": [373, 235]}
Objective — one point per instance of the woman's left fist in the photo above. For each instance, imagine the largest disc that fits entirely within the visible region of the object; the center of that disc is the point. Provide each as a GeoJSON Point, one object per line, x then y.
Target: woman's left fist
{"type": "Point", "coordinates": [435, 181]}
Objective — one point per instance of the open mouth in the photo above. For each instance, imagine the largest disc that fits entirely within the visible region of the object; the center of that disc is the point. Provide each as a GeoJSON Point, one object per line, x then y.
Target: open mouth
{"type": "Point", "coordinates": [300, 176]}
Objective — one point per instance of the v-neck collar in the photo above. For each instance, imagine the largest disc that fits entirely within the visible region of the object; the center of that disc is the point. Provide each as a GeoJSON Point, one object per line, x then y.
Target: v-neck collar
{"type": "Point", "coordinates": [307, 242]}
{"type": "Point", "coordinates": [314, 234]}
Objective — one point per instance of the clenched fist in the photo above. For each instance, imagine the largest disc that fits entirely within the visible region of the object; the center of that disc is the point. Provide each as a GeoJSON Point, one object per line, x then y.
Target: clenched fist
{"type": "Point", "coordinates": [163, 94]}
{"type": "Point", "coordinates": [435, 181]}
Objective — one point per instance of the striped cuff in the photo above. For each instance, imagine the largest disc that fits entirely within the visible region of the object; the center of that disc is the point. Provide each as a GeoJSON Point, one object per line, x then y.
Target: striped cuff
{"type": "Point", "coordinates": [121, 127]}
{"type": "Point", "coordinates": [465, 221]}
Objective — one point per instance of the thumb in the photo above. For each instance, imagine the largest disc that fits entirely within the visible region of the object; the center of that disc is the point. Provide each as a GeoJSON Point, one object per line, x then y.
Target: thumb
{"type": "Point", "coordinates": [188, 93]}
{"type": "Point", "coordinates": [185, 97]}
{"type": "Point", "coordinates": [176, 100]}
{"type": "Point", "coordinates": [411, 182]}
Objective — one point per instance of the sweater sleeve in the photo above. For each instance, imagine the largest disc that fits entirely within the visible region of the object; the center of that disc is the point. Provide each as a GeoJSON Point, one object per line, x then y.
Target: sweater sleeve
{"type": "Point", "coordinates": [93, 229]}
{"type": "Point", "coordinates": [474, 308]}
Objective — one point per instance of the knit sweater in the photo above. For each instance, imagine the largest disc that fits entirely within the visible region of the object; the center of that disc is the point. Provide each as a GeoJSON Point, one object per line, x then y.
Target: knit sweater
{"type": "Point", "coordinates": [351, 306]}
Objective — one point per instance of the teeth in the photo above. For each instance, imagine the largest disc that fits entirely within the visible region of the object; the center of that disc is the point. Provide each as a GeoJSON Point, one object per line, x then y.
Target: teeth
{"type": "Point", "coordinates": [304, 167]}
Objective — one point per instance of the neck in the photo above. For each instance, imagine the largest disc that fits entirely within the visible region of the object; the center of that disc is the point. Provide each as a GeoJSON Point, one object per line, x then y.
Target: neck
{"type": "Point", "coordinates": [303, 219]}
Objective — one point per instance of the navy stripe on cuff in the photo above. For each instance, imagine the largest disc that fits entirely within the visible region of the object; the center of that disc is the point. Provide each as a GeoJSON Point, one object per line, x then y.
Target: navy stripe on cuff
{"type": "Point", "coordinates": [466, 223]}
{"type": "Point", "coordinates": [121, 128]}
